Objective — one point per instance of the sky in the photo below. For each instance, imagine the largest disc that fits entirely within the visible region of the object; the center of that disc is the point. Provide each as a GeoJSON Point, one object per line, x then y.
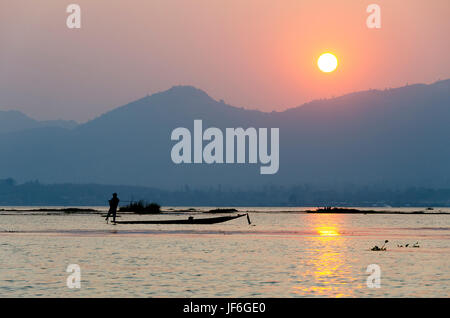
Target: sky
{"type": "Point", "coordinates": [257, 54]}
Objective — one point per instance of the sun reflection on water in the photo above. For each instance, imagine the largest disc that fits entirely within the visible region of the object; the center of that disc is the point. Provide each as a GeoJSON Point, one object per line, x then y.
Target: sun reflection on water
{"type": "Point", "coordinates": [325, 271]}
{"type": "Point", "coordinates": [327, 231]}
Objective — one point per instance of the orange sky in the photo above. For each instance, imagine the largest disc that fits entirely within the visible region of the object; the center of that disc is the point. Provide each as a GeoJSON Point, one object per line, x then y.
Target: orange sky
{"type": "Point", "coordinates": [253, 53]}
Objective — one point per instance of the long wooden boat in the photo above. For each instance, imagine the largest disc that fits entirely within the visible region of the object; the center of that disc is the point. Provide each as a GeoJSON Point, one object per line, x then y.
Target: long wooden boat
{"type": "Point", "coordinates": [190, 220]}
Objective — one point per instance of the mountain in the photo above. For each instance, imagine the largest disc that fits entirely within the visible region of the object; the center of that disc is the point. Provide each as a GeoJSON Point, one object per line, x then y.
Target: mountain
{"type": "Point", "coordinates": [13, 120]}
{"type": "Point", "coordinates": [392, 137]}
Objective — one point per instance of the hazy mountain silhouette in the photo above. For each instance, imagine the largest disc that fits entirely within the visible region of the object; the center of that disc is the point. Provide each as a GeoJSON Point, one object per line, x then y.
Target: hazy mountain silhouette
{"type": "Point", "coordinates": [391, 137]}
{"type": "Point", "coordinates": [13, 120]}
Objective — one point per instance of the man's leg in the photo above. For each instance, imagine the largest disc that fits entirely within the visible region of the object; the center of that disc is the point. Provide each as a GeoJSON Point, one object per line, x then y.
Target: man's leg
{"type": "Point", "coordinates": [109, 213]}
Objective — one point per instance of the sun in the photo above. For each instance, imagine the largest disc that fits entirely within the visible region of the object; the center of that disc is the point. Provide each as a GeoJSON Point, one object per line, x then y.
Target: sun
{"type": "Point", "coordinates": [327, 62]}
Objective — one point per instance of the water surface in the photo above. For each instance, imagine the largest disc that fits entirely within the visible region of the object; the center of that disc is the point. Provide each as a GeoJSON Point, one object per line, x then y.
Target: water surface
{"type": "Point", "coordinates": [284, 253]}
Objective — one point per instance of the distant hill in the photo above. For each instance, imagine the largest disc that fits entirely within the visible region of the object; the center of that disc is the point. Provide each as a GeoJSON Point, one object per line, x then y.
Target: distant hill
{"type": "Point", "coordinates": [392, 137]}
{"type": "Point", "coordinates": [13, 120]}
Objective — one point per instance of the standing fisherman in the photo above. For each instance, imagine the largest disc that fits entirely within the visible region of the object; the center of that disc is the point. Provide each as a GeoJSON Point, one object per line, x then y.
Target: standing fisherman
{"type": "Point", "coordinates": [113, 203]}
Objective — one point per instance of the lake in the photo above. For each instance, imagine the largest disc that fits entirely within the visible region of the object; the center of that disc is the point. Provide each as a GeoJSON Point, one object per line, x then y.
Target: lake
{"type": "Point", "coordinates": [284, 253]}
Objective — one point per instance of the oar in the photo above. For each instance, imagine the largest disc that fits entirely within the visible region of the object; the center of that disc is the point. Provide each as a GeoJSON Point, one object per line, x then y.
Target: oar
{"type": "Point", "coordinates": [248, 220]}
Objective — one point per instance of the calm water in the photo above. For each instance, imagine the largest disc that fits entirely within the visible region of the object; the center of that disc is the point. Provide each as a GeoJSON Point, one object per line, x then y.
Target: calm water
{"type": "Point", "coordinates": [285, 254]}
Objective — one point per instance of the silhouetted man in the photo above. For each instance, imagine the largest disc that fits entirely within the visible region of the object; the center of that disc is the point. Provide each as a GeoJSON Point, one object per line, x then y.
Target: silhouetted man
{"type": "Point", "coordinates": [113, 203]}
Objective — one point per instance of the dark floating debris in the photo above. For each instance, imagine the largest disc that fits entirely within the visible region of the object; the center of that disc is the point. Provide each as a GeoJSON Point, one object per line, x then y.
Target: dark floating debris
{"type": "Point", "coordinates": [382, 248]}
{"type": "Point", "coordinates": [185, 210]}
{"type": "Point", "coordinates": [337, 210]}
{"type": "Point", "coordinates": [64, 210]}
{"type": "Point", "coordinates": [407, 245]}
{"type": "Point", "coordinates": [221, 210]}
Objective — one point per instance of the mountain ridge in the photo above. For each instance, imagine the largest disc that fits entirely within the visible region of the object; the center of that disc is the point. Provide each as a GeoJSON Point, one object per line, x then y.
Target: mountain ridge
{"type": "Point", "coordinates": [186, 90]}
{"type": "Point", "coordinates": [14, 120]}
{"type": "Point", "coordinates": [392, 137]}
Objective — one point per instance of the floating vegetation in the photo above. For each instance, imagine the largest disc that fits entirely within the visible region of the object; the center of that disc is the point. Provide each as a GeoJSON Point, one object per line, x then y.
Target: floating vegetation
{"type": "Point", "coordinates": [221, 210]}
{"type": "Point", "coordinates": [141, 207]}
{"type": "Point", "coordinates": [337, 210]}
{"type": "Point", "coordinates": [407, 245]}
{"type": "Point", "coordinates": [382, 248]}
{"type": "Point", "coordinates": [185, 210]}
{"type": "Point", "coordinates": [8, 231]}
{"type": "Point", "coordinates": [64, 210]}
